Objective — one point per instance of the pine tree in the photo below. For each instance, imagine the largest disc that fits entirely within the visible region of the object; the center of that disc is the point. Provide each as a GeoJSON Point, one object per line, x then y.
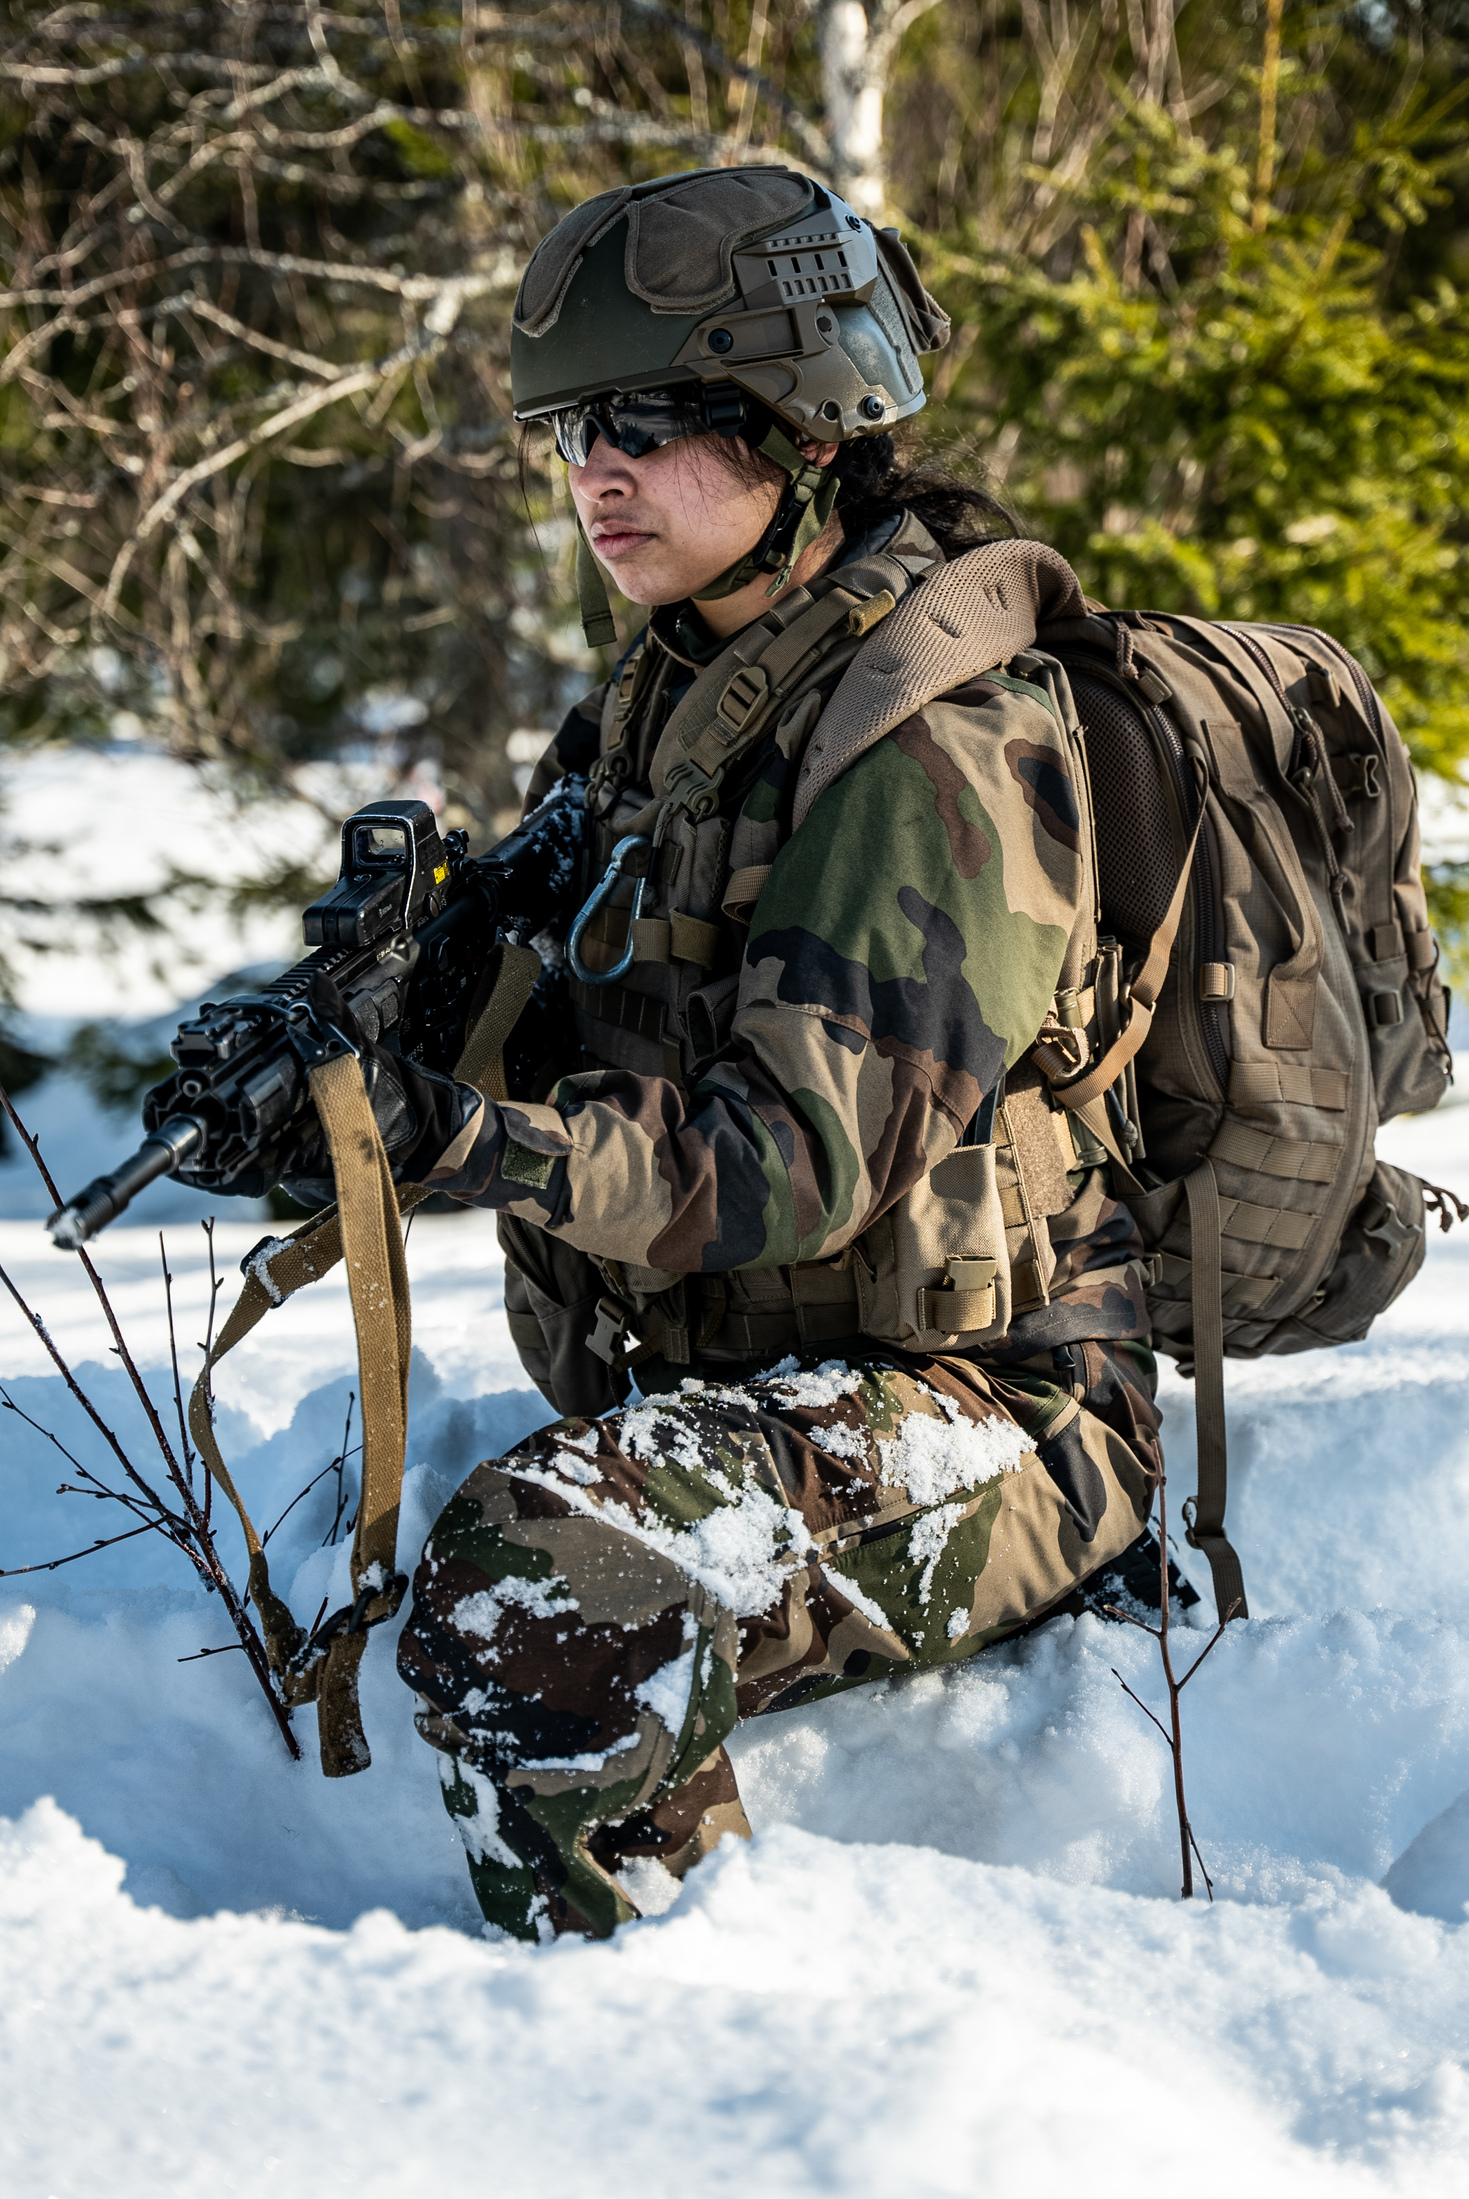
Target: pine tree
{"type": "Point", "coordinates": [1216, 382]}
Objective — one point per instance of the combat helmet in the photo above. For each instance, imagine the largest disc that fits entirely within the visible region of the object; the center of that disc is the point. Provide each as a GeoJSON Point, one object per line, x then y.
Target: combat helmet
{"type": "Point", "coordinates": [756, 302]}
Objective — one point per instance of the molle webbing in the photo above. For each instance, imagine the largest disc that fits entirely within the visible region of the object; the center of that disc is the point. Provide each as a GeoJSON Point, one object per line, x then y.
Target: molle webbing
{"type": "Point", "coordinates": [735, 698]}
{"type": "Point", "coordinates": [753, 1312]}
{"type": "Point", "coordinates": [620, 1007]}
{"type": "Point", "coordinates": [801, 643]}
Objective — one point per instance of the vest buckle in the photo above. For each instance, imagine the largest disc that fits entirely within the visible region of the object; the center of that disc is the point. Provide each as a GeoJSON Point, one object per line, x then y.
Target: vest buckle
{"type": "Point", "coordinates": [745, 692]}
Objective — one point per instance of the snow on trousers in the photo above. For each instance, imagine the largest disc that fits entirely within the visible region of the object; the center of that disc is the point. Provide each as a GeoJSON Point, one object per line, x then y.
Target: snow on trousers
{"type": "Point", "coordinates": [594, 1612]}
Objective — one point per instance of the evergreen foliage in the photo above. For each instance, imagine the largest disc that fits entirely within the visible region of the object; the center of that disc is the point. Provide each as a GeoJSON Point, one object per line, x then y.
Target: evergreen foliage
{"type": "Point", "coordinates": [1222, 359]}
{"type": "Point", "coordinates": [1206, 269]}
{"type": "Point", "coordinates": [1250, 427]}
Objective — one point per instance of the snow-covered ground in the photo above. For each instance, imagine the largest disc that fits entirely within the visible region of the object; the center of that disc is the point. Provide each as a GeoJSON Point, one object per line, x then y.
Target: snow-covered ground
{"type": "Point", "coordinates": [953, 1960]}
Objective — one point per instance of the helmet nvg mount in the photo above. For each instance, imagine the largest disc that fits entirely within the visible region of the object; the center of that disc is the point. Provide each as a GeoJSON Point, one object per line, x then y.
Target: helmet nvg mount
{"type": "Point", "coordinates": [721, 286]}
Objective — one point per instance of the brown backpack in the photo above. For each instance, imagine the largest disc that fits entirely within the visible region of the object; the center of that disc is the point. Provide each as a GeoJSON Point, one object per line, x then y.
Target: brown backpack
{"type": "Point", "coordinates": [1273, 996]}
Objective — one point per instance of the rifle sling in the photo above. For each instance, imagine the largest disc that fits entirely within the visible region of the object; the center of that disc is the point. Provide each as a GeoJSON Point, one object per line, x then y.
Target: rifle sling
{"type": "Point", "coordinates": [365, 1226]}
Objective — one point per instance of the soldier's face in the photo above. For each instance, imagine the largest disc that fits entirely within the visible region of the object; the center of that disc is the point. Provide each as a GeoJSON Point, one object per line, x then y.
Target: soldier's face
{"type": "Point", "coordinates": [669, 523]}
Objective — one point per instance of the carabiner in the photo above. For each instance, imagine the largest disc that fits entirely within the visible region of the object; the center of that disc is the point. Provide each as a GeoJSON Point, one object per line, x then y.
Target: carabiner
{"type": "Point", "coordinates": [598, 895]}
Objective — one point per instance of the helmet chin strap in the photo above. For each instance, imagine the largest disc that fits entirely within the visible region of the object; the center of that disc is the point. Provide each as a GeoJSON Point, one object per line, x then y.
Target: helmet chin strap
{"type": "Point", "coordinates": [591, 589]}
{"type": "Point", "coordinates": [803, 511]}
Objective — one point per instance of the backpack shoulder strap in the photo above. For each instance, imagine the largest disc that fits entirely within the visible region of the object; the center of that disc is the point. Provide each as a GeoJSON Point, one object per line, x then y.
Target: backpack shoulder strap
{"type": "Point", "coordinates": [974, 613]}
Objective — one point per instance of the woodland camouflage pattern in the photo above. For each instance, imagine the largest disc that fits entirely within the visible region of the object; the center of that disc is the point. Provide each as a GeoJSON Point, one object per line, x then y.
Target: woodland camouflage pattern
{"type": "Point", "coordinates": [904, 950]}
{"type": "Point", "coordinates": [593, 1613]}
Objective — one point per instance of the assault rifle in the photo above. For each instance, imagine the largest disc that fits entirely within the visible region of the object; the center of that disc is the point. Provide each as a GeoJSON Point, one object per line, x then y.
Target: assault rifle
{"type": "Point", "coordinates": [407, 935]}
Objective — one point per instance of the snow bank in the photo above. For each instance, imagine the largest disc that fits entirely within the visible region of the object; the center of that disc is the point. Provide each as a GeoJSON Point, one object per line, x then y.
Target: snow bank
{"type": "Point", "coordinates": [951, 1963]}
{"type": "Point", "coordinates": [812, 2018]}
{"type": "Point", "coordinates": [142, 818]}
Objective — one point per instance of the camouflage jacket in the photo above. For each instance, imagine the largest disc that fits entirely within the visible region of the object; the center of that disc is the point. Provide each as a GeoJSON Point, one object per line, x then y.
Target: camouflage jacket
{"type": "Point", "coordinates": [845, 991]}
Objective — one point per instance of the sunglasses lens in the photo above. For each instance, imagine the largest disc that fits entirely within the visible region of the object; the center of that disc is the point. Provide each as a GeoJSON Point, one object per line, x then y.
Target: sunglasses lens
{"type": "Point", "coordinates": [575, 430]}
{"type": "Point", "coordinates": [632, 425]}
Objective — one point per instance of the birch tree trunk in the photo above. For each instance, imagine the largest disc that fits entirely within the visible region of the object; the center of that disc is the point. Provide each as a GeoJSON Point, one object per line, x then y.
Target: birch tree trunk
{"type": "Point", "coordinates": [859, 44]}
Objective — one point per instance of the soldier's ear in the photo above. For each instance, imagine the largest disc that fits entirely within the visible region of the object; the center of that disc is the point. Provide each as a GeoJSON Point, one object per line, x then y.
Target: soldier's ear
{"type": "Point", "coordinates": [818, 454]}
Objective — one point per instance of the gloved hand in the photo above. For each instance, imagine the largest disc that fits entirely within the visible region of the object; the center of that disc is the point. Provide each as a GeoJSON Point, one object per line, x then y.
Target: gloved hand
{"type": "Point", "coordinates": [418, 1112]}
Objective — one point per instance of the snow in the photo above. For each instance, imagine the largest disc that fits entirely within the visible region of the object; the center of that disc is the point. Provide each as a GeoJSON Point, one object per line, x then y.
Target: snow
{"type": "Point", "coordinates": [742, 1552]}
{"type": "Point", "coordinates": [666, 1692]}
{"type": "Point", "coordinates": [138, 818]}
{"type": "Point", "coordinates": [225, 1974]}
{"type": "Point", "coordinates": [931, 1458]}
{"type": "Point", "coordinates": [927, 1542]}
{"type": "Point", "coordinates": [952, 1962]}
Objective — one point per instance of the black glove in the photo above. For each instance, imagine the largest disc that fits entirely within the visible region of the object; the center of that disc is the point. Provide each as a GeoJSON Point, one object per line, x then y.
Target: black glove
{"type": "Point", "coordinates": [418, 1112]}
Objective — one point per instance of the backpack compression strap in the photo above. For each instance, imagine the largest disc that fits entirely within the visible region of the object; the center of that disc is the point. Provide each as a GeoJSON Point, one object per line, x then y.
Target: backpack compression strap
{"type": "Point", "coordinates": [1085, 1097]}
{"type": "Point", "coordinates": [1205, 1514]}
{"type": "Point", "coordinates": [1142, 1000]}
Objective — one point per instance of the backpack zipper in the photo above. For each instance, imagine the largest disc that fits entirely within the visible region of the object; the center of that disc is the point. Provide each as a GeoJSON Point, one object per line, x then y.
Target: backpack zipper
{"type": "Point", "coordinates": [1209, 935]}
{"type": "Point", "coordinates": [1366, 692]}
{"type": "Point", "coordinates": [1371, 706]}
{"type": "Point", "coordinates": [1303, 725]}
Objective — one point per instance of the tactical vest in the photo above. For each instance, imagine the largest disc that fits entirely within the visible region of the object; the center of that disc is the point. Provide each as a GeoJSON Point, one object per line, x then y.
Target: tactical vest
{"type": "Point", "coordinates": [967, 1248]}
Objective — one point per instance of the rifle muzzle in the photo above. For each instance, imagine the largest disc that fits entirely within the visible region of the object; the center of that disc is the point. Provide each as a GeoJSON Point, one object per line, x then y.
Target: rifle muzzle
{"type": "Point", "coordinates": [160, 1154]}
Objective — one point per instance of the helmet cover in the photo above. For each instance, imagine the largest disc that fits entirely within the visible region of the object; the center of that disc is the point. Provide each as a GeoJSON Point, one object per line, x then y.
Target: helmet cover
{"type": "Point", "coordinates": [753, 276]}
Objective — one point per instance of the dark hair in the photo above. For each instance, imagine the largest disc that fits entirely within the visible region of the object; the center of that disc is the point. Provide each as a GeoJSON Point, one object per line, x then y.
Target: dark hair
{"type": "Point", "coordinates": [878, 480]}
{"type": "Point", "coordinates": [880, 476]}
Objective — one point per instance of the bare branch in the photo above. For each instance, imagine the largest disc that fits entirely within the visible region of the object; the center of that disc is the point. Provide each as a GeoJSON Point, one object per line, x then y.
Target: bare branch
{"type": "Point", "coordinates": [1188, 1846]}
{"type": "Point", "coordinates": [439, 324]}
{"type": "Point", "coordinates": [103, 1542]}
{"type": "Point", "coordinates": [209, 311]}
{"type": "Point", "coordinates": [811, 141]}
{"type": "Point", "coordinates": [188, 1529]}
{"type": "Point", "coordinates": [1142, 1706]}
{"type": "Point", "coordinates": [1215, 1637]}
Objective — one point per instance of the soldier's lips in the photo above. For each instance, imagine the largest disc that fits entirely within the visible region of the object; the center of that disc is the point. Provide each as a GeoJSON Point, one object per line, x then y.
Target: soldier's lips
{"type": "Point", "coordinates": [618, 541]}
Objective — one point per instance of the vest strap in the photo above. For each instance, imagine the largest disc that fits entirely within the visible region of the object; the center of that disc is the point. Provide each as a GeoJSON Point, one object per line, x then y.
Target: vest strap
{"type": "Point", "coordinates": [732, 700]}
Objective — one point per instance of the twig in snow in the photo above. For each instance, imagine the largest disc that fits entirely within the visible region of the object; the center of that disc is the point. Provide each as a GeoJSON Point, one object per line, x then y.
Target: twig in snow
{"type": "Point", "coordinates": [186, 1525]}
{"type": "Point", "coordinates": [104, 1542]}
{"type": "Point", "coordinates": [173, 1354]}
{"type": "Point", "coordinates": [216, 1285]}
{"type": "Point", "coordinates": [335, 1466]}
{"type": "Point", "coordinates": [1188, 1846]}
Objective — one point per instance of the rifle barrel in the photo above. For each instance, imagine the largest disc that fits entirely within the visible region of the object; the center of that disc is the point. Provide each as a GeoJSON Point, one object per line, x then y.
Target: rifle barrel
{"type": "Point", "coordinates": [160, 1154]}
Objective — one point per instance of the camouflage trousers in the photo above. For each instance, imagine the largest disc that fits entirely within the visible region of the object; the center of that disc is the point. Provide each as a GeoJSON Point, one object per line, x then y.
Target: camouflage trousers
{"type": "Point", "coordinates": [594, 1612]}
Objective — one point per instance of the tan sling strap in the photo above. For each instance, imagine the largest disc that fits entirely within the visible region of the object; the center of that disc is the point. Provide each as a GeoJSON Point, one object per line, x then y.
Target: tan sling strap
{"type": "Point", "coordinates": [482, 1062]}
{"type": "Point", "coordinates": [365, 1228]}
{"type": "Point", "coordinates": [1205, 1516]}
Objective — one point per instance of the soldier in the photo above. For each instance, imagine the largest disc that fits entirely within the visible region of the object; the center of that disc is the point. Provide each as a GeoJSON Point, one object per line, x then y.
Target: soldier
{"type": "Point", "coordinates": [790, 1163]}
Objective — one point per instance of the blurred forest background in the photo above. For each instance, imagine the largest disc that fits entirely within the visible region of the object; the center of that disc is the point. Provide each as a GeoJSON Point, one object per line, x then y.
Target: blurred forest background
{"type": "Point", "coordinates": [263, 501]}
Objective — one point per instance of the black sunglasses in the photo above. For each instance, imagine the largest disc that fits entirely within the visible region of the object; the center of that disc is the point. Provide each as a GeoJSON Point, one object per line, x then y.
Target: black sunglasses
{"type": "Point", "coordinates": [636, 425]}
